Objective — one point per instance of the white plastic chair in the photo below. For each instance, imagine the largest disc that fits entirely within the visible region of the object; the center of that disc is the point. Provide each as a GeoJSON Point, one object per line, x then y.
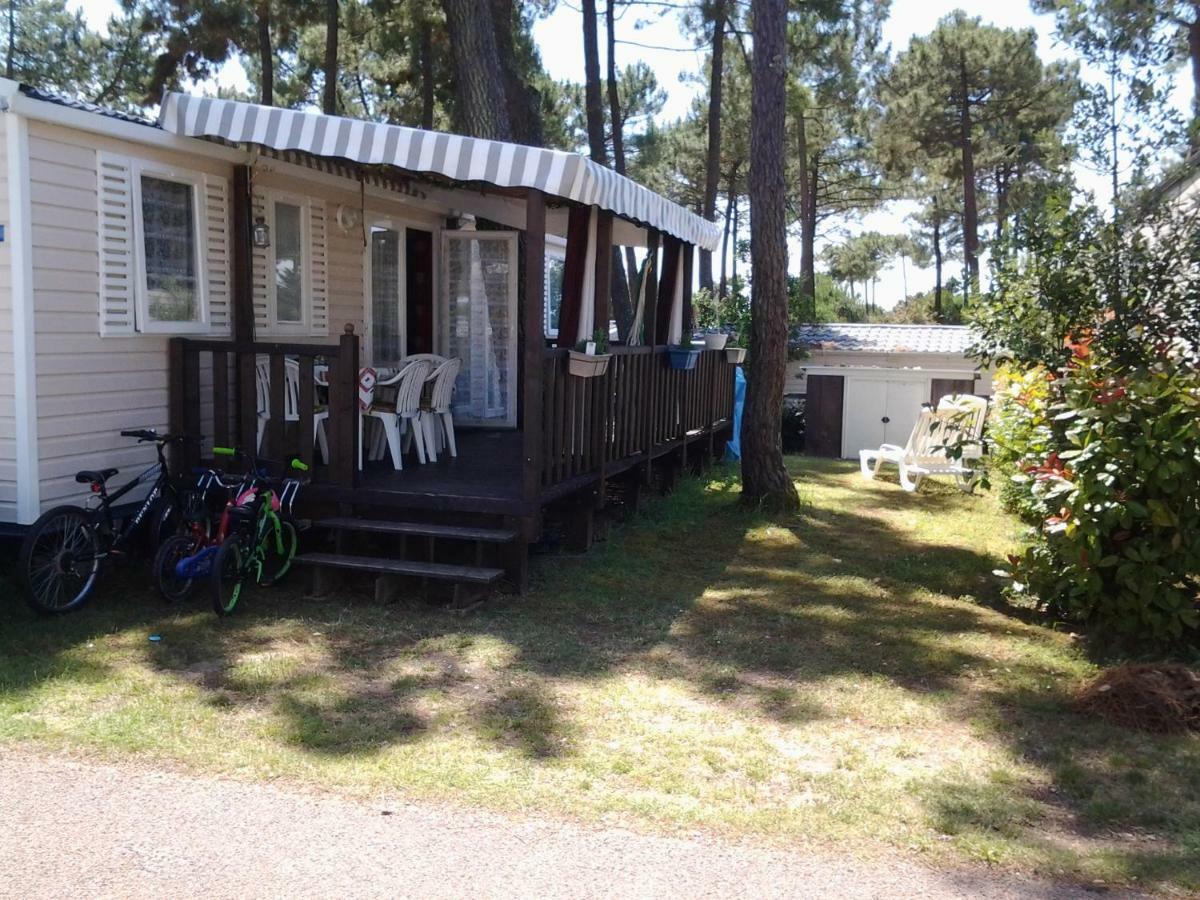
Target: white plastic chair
{"type": "Point", "coordinates": [437, 419]}
{"type": "Point", "coordinates": [396, 417]}
{"type": "Point", "coordinates": [291, 401]}
{"type": "Point", "coordinates": [433, 359]}
{"type": "Point", "coordinates": [957, 421]}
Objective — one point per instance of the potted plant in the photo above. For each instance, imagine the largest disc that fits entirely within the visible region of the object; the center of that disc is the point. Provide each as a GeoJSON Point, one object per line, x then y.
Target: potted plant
{"type": "Point", "coordinates": [735, 355]}
{"type": "Point", "coordinates": [715, 340]}
{"type": "Point", "coordinates": [589, 359]}
{"type": "Point", "coordinates": [683, 356]}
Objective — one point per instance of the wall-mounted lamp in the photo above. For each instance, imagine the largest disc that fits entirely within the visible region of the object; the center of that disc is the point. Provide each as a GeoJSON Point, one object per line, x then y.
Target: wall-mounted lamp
{"type": "Point", "coordinates": [261, 233]}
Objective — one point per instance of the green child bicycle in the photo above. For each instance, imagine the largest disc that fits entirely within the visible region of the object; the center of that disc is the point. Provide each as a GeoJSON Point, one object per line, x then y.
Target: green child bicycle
{"type": "Point", "coordinates": [262, 537]}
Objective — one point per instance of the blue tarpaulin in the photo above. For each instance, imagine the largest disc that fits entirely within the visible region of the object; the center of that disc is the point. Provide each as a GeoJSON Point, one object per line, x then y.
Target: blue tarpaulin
{"type": "Point", "coordinates": [733, 449]}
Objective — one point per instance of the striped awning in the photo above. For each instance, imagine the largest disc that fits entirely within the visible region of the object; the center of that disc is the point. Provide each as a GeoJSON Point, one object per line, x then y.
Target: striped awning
{"type": "Point", "coordinates": [558, 173]}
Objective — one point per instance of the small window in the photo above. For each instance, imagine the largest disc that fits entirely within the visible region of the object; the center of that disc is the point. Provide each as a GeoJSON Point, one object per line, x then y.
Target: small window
{"type": "Point", "coordinates": [170, 251]}
{"type": "Point", "coordinates": [289, 264]}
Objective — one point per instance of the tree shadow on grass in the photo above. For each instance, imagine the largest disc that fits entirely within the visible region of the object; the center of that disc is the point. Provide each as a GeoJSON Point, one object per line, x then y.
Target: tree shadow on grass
{"type": "Point", "coordinates": [749, 614]}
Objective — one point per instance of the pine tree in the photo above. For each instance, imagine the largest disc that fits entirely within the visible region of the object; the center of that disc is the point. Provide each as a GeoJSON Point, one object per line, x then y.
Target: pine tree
{"type": "Point", "coordinates": [765, 480]}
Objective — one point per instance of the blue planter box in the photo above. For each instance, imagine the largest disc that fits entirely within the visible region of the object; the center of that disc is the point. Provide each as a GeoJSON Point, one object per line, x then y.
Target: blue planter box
{"type": "Point", "coordinates": [683, 359]}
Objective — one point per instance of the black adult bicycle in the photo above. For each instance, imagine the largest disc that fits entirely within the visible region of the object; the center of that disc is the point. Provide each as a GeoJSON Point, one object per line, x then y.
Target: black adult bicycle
{"type": "Point", "coordinates": [63, 550]}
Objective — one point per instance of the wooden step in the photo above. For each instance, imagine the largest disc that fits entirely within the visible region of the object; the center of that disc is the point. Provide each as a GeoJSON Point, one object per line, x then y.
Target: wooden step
{"type": "Point", "coordinates": [439, 571]}
{"type": "Point", "coordinates": [422, 529]}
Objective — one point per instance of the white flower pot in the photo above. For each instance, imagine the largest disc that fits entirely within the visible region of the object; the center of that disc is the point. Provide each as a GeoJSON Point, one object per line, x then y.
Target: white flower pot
{"type": "Point", "coordinates": [587, 365]}
{"type": "Point", "coordinates": [735, 355]}
{"type": "Point", "coordinates": [715, 341]}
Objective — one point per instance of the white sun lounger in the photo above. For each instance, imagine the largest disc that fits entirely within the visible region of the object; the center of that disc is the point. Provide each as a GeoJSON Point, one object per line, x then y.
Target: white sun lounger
{"type": "Point", "coordinates": [958, 421]}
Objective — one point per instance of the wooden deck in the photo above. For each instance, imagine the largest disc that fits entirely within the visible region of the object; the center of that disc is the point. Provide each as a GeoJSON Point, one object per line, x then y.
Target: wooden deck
{"type": "Point", "coordinates": [485, 477]}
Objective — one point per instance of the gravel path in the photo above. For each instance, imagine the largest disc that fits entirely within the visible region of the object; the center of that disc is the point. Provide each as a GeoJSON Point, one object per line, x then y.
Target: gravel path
{"type": "Point", "coordinates": [77, 829]}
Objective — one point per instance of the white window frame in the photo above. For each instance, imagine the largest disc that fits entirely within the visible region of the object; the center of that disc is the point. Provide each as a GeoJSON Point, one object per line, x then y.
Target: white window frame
{"type": "Point", "coordinates": [195, 180]}
{"type": "Point", "coordinates": [270, 198]}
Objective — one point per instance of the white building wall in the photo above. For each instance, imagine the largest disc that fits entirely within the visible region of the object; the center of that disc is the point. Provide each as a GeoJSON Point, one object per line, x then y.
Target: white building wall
{"type": "Point", "coordinates": [91, 387]}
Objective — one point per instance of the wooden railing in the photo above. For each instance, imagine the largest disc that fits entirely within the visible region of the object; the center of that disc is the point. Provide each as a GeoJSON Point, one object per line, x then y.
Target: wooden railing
{"type": "Point", "coordinates": [639, 408]}
{"type": "Point", "coordinates": [213, 392]}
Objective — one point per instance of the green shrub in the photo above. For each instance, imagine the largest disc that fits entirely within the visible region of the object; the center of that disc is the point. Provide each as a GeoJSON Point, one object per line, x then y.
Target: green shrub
{"type": "Point", "coordinates": [1019, 435]}
{"type": "Point", "coordinates": [1095, 436]}
{"type": "Point", "coordinates": [1106, 461]}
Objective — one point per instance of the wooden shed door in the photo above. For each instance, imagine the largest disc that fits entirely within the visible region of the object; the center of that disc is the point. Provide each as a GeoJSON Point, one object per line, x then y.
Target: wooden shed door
{"type": "Point", "coordinates": [941, 387]}
{"type": "Point", "coordinates": [823, 415]}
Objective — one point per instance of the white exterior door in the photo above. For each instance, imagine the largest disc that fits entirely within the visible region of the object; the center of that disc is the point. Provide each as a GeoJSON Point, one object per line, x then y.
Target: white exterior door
{"type": "Point", "coordinates": [865, 405]}
{"type": "Point", "coordinates": [880, 411]}
{"type": "Point", "coordinates": [904, 399]}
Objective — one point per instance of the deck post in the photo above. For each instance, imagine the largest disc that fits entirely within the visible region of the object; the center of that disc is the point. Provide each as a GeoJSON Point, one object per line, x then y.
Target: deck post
{"type": "Point", "coordinates": [343, 411]}
{"type": "Point", "coordinates": [176, 397]}
{"type": "Point", "coordinates": [533, 319]}
{"type": "Point", "coordinates": [242, 299]}
{"type": "Point", "coordinates": [602, 302]}
{"type": "Point", "coordinates": [650, 312]}
{"type": "Point", "coordinates": [574, 266]}
{"type": "Point", "coordinates": [666, 287]}
{"type": "Point", "coordinates": [242, 293]}
{"type": "Point", "coordinates": [689, 319]}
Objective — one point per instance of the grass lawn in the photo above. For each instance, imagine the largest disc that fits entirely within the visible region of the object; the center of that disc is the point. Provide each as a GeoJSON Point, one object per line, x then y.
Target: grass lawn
{"type": "Point", "coordinates": [844, 680]}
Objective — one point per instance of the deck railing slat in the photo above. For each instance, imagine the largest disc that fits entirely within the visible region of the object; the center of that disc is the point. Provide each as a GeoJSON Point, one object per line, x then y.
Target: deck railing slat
{"type": "Point", "coordinates": [639, 407]}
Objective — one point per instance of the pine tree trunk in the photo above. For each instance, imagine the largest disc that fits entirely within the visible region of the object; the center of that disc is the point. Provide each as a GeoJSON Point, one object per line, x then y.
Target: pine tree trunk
{"type": "Point", "coordinates": [808, 225]}
{"type": "Point", "coordinates": [712, 164]}
{"type": "Point", "coordinates": [733, 257]}
{"type": "Point", "coordinates": [266, 55]}
{"type": "Point", "coordinates": [937, 262]}
{"type": "Point", "coordinates": [329, 100]}
{"type": "Point", "coordinates": [593, 107]}
{"type": "Point", "coordinates": [481, 108]}
{"type": "Point", "coordinates": [12, 39]}
{"type": "Point", "coordinates": [970, 206]}
{"type": "Point", "coordinates": [425, 45]}
{"type": "Point", "coordinates": [622, 287]}
{"type": "Point", "coordinates": [1193, 39]}
{"type": "Point", "coordinates": [765, 481]}
{"type": "Point", "coordinates": [524, 107]}
{"type": "Point", "coordinates": [723, 288]}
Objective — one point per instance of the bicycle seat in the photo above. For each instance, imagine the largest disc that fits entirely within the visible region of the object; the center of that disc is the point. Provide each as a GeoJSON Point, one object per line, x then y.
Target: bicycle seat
{"type": "Point", "coordinates": [95, 476]}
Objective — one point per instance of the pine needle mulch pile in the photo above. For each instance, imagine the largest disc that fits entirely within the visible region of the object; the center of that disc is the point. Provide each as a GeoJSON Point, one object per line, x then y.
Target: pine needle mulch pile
{"type": "Point", "coordinates": [1158, 697]}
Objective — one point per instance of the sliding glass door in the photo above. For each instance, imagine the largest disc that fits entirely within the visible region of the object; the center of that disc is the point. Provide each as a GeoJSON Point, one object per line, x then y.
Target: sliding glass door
{"type": "Point", "coordinates": [478, 323]}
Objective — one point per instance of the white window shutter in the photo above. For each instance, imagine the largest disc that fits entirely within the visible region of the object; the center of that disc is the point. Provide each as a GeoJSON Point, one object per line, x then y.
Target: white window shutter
{"type": "Point", "coordinates": [319, 268]}
{"type": "Point", "coordinates": [118, 269]}
{"type": "Point", "coordinates": [259, 266]}
{"type": "Point", "coordinates": [217, 252]}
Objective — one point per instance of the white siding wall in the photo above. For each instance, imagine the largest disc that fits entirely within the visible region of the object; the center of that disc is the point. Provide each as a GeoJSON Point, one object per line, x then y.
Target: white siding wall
{"type": "Point", "coordinates": [90, 387]}
{"type": "Point", "coordinates": [8, 444]}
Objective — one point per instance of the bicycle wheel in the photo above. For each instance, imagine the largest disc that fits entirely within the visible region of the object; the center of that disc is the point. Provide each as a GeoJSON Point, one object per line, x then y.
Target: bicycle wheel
{"type": "Point", "coordinates": [227, 577]}
{"type": "Point", "coordinates": [277, 563]}
{"type": "Point", "coordinates": [59, 560]}
{"type": "Point", "coordinates": [178, 547]}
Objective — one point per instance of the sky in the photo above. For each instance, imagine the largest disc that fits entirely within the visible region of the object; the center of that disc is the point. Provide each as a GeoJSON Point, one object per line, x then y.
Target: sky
{"type": "Point", "coordinates": [559, 38]}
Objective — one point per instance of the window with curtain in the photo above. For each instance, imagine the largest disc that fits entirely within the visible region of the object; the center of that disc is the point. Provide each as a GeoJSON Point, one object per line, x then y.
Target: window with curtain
{"type": "Point", "coordinates": [289, 264]}
{"type": "Point", "coordinates": [386, 342]}
{"type": "Point", "coordinates": [554, 288]}
{"type": "Point", "coordinates": [478, 323]}
{"type": "Point", "coordinates": [170, 250]}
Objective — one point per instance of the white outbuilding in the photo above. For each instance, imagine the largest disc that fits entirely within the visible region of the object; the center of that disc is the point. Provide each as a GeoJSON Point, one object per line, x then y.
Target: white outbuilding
{"type": "Point", "coordinates": [864, 384]}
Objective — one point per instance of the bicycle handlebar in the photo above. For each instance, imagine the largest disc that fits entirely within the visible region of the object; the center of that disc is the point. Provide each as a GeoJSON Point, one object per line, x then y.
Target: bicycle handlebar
{"type": "Point", "coordinates": [149, 435]}
{"type": "Point", "coordinates": [295, 462]}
